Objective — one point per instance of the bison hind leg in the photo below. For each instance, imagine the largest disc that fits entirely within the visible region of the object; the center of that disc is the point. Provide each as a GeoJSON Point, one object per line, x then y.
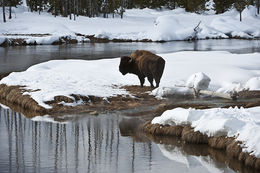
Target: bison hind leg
{"type": "Point", "coordinates": [157, 81]}
{"type": "Point", "coordinates": [150, 79]}
{"type": "Point", "coordinates": [141, 78]}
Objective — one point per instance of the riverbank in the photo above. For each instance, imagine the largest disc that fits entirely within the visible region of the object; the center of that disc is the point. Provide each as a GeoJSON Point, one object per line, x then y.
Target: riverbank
{"type": "Point", "coordinates": [37, 39]}
{"type": "Point", "coordinates": [233, 147]}
{"type": "Point", "coordinates": [138, 25]}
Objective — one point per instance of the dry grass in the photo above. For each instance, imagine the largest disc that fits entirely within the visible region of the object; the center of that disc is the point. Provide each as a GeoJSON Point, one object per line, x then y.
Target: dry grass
{"type": "Point", "coordinates": [190, 136]}
{"type": "Point", "coordinates": [13, 95]}
{"type": "Point", "coordinates": [157, 129]}
{"type": "Point", "coordinates": [234, 149]}
{"type": "Point", "coordinates": [220, 142]}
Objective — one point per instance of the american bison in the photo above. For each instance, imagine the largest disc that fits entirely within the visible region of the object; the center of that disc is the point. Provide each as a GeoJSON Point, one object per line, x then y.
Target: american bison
{"type": "Point", "coordinates": [143, 64]}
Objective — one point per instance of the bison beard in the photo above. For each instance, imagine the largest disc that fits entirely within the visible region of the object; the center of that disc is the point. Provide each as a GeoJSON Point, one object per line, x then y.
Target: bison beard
{"type": "Point", "coordinates": [143, 64]}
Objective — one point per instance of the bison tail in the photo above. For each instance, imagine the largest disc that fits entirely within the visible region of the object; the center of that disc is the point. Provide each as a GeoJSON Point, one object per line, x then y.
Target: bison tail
{"type": "Point", "coordinates": [159, 71]}
{"type": "Point", "coordinates": [160, 67]}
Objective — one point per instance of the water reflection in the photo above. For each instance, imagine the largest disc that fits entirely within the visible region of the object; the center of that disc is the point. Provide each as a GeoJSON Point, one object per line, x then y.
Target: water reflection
{"type": "Point", "coordinates": [88, 144]}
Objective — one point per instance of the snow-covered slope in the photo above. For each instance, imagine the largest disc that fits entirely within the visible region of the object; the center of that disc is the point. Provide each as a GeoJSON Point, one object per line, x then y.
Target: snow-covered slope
{"type": "Point", "coordinates": [138, 24]}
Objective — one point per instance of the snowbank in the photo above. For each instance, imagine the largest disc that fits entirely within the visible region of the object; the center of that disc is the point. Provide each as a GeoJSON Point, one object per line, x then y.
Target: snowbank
{"type": "Point", "coordinates": [65, 77]}
{"type": "Point", "coordinates": [102, 78]}
{"type": "Point", "coordinates": [138, 24]}
{"type": "Point", "coordinates": [2, 40]}
{"type": "Point", "coordinates": [47, 118]}
{"type": "Point", "coordinates": [253, 83]}
{"type": "Point", "coordinates": [243, 124]}
{"type": "Point", "coordinates": [43, 40]}
{"type": "Point", "coordinates": [198, 81]}
{"type": "Point", "coordinates": [228, 72]}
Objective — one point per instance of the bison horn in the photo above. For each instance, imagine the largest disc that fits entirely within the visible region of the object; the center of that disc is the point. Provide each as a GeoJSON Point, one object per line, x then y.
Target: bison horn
{"type": "Point", "coordinates": [131, 59]}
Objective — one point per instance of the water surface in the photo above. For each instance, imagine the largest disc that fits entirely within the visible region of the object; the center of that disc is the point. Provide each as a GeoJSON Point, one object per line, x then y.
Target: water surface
{"type": "Point", "coordinates": [104, 143]}
{"type": "Point", "coordinates": [19, 58]}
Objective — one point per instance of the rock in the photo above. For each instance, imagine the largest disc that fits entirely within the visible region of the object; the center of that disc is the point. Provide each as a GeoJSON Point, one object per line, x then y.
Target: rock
{"type": "Point", "coordinates": [93, 113]}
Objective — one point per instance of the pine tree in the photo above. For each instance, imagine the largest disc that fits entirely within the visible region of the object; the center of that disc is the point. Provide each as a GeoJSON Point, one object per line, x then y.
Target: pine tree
{"type": "Point", "coordinates": [222, 5]}
{"type": "Point", "coordinates": [240, 6]}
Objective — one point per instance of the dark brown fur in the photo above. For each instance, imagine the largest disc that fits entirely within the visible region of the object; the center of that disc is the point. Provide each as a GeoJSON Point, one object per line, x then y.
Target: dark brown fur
{"type": "Point", "coordinates": [143, 64]}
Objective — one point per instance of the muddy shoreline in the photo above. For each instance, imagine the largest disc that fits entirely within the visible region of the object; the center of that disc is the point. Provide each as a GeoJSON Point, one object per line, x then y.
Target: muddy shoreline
{"type": "Point", "coordinates": [13, 97]}
{"type": "Point", "coordinates": [85, 38]}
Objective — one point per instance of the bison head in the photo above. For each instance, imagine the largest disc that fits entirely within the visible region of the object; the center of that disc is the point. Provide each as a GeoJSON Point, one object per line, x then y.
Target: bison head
{"type": "Point", "coordinates": [125, 65]}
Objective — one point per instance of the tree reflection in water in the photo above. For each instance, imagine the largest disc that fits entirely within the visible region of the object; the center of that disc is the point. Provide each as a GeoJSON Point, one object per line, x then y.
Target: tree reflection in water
{"type": "Point", "coordinates": [84, 144]}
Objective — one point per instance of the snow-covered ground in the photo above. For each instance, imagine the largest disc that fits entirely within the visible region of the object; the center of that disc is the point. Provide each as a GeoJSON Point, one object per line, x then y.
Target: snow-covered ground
{"type": "Point", "coordinates": [227, 72]}
{"type": "Point", "coordinates": [243, 124]}
{"type": "Point", "coordinates": [137, 24]}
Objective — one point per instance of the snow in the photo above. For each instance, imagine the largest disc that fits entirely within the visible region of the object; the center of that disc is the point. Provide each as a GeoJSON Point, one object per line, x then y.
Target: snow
{"type": "Point", "coordinates": [167, 91]}
{"type": "Point", "coordinates": [65, 77]}
{"type": "Point", "coordinates": [2, 40]}
{"type": "Point", "coordinates": [198, 81]}
{"type": "Point", "coordinates": [137, 24]}
{"type": "Point", "coordinates": [47, 118]}
{"type": "Point", "coordinates": [243, 124]}
{"type": "Point", "coordinates": [253, 83]}
{"type": "Point", "coordinates": [228, 72]}
{"type": "Point", "coordinates": [4, 106]}
{"type": "Point", "coordinates": [43, 40]}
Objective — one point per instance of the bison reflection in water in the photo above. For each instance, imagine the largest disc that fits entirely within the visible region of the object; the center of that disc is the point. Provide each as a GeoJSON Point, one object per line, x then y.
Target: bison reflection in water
{"type": "Point", "coordinates": [143, 64]}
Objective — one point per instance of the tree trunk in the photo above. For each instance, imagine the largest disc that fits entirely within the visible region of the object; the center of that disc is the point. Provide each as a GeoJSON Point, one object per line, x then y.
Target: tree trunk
{"type": "Point", "coordinates": [40, 6]}
{"type": "Point", "coordinates": [69, 7]}
{"type": "Point", "coordinates": [10, 11]}
{"type": "Point", "coordinates": [66, 8]}
{"type": "Point", "coordinates": [3, 4]}
{"type": "Point", "coordinates": [77, 10]}
{"type": "Point", "coordinates": [240, 10]}
{"type": "Point", "coordinates": [258, 4]}
{"type": "Point", "coordinates": [55, 8]}
{"type": "Point", "coordinates": [74, 9]}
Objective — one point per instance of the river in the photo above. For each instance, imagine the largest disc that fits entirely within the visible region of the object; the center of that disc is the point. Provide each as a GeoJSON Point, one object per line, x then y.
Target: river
{"type": "Point", "coordinates": [19, 58]}
{"type": "Point", "coordinates": [107, 142]}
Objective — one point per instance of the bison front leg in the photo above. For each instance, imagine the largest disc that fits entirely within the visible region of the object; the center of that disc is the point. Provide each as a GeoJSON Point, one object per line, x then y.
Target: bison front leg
{"type": "Point", "coordinates": [141, 78]}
